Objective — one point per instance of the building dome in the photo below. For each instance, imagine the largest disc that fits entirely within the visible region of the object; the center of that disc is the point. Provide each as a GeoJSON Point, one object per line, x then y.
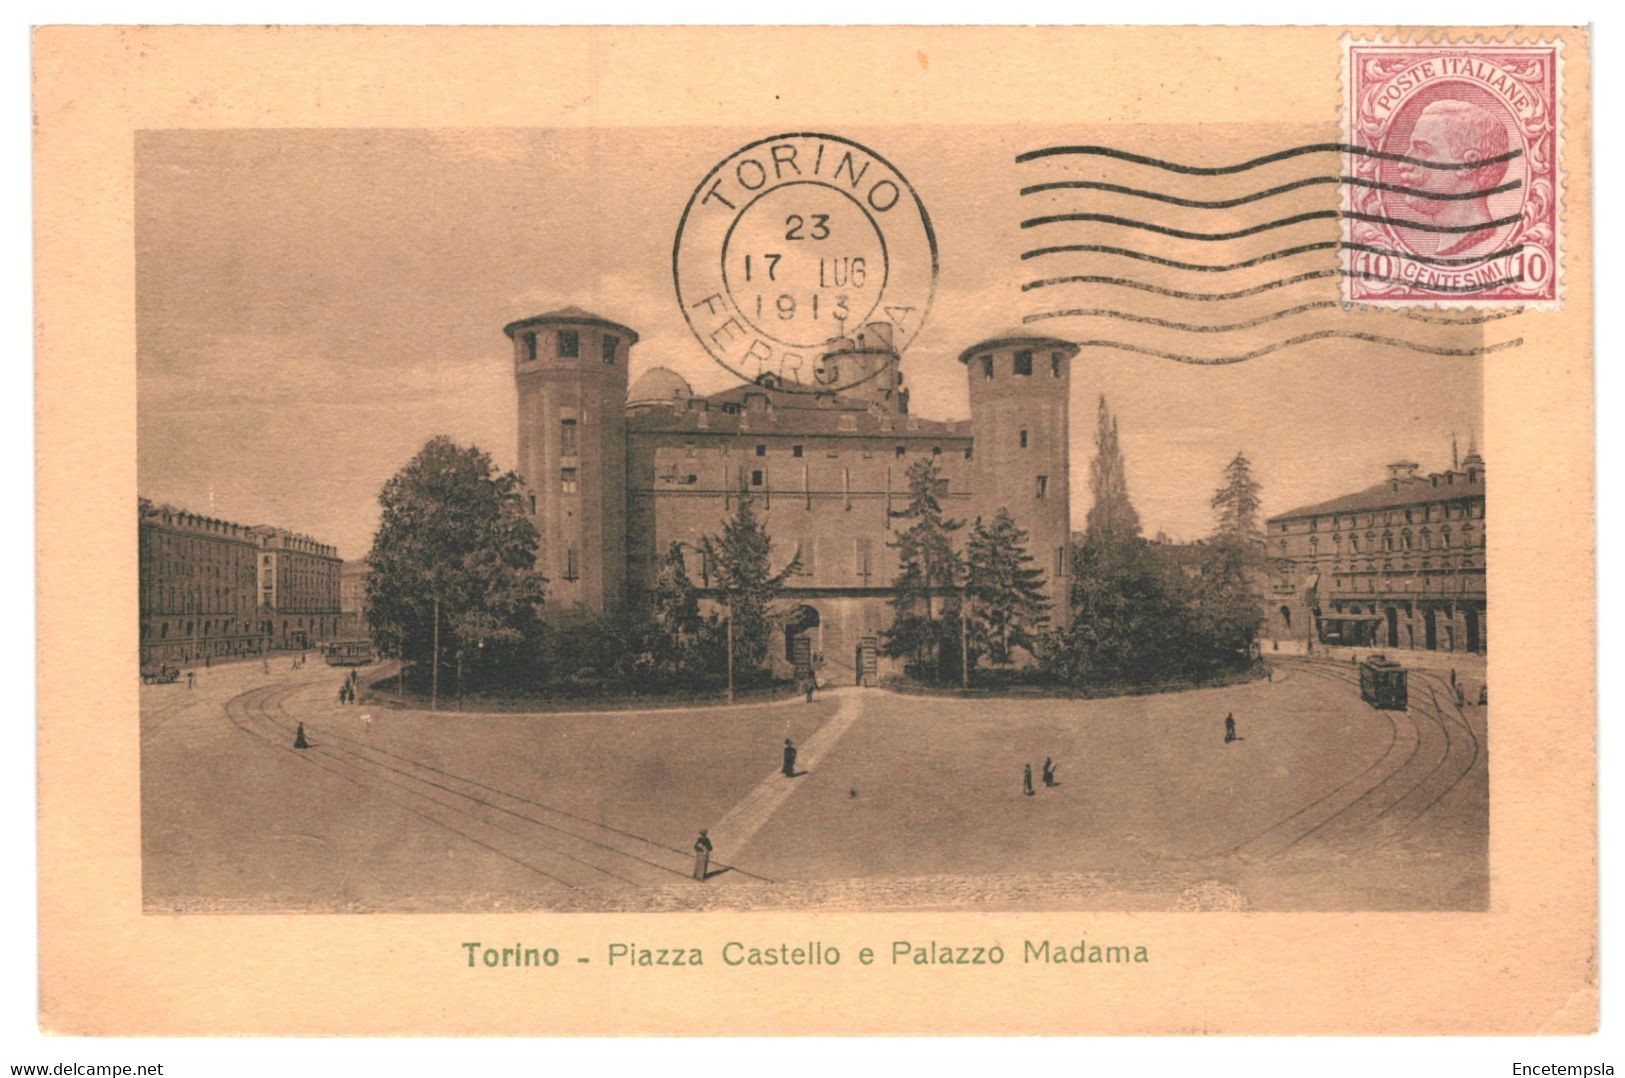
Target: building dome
{"type": "Point", "coordinates": [658, 386]}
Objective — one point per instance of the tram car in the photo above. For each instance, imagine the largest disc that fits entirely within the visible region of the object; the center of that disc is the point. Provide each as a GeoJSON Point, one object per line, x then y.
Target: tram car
{"type": "Point", "coordinates": [1383, 684]}
{"type": "Point", "coordinates": [347, 652]}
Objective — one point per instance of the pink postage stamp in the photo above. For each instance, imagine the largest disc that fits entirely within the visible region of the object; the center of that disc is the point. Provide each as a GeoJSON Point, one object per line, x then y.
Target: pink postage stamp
{"type": "Point", "coordinates": [1453, 183]}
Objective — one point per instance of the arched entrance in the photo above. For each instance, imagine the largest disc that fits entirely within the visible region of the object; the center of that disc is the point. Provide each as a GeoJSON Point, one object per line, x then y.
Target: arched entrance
{"type": "Point", "coordinates": [1430, 626]}
{"type": "Point", "coordinates": [1286, 618]}
{"type": "Point", "coordinates": [1393, 626]}
{"type": "Point", "coordinates": [801, 635]}
{"type": "Point", "coordinates": [1473, 641]}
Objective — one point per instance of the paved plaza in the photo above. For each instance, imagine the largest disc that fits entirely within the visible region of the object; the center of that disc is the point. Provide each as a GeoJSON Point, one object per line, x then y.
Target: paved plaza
{"type": "Point", "coordinates": [900, 801]}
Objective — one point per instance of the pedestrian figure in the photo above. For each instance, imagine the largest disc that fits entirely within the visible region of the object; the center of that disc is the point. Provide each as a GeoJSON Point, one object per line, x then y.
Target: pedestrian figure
{"type": "Point", "coordinates": [702, 856]}
{"type": "Point", "coordinates": [789, 759]}
{"type": "Point", "coordinates": [191, 677]}
{"type": "Point", "coordinates": [1484, 695]}
{"type": "Point", "coordinates": [1461, 697]}
{"type": "Point", "coordinates": [1049, 772]}
{"type": "Point", "coordinates": [206, 663]}
{"type": "Point", "coordinates": [344, 692]}
{"type": "Point", "coordinates": [1027, 779]}
{"type": "Point", "coordinates": [1229, 728]}
{"type": "Point", "coordinates": [1452, 677]}
{"type": "Point", "coordinates": [809, 690]}
{"type": "Point", "coordinates": [299, 741]}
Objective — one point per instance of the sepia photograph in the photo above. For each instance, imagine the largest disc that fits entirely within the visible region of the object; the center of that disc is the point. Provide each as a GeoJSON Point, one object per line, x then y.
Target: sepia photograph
{"type": "Point", "coordinates": [676, 519]}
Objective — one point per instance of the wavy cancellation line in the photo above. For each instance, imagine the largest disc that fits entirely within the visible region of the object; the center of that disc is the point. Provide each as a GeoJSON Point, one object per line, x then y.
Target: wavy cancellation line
{"type": "Point", "coordinates": [1267, 226]}
{"type": "Point", "coordinates": [1246, 263]}
{"type": "Point", "coordinates": [1276, 316]}
{"type": "Point", "coordinates": [1259, 196]}
{"type": "Point", "coordinates": [1305, 338]}
{"type": "Point", "coordinates": [1258, 162]}
{"type": "Point", "coordinates": [1267, 286]}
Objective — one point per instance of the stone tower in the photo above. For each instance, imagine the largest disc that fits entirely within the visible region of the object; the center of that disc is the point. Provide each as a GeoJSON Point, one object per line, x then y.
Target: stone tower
{"type": "Point", "coordinates": [570, 370]}
{"type": "Point", "coordinates": [1020, 392]}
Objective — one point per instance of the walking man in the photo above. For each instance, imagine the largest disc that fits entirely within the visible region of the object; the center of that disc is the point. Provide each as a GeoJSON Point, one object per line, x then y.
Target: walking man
{"type": "Point", "coordinates": [1049, 772]}
{"type": "Point", "coordinates": [702, 856]}
{"type": "Point", "coordinates": [1229, 728]}
{"type": "Point", "coordinates": [1027, 779]}
{"type": "Point", "coordinates": [191, 679]}
{"type": "Point", "coordinates": [299, 741]}
{"type": "Point", "coordinates": [789, 759]}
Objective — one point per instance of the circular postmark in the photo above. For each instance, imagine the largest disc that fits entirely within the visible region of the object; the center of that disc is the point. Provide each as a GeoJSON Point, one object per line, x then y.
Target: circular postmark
{"type": "Point", "coordinates": [789, 241]}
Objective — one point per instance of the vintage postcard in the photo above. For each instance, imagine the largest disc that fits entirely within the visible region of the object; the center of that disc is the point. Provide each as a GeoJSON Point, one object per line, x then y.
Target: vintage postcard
{"type": "Point", "coordinates": [769, 531]}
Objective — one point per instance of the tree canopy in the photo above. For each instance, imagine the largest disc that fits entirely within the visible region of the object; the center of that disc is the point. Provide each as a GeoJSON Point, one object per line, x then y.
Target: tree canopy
{"type": "Point", "coordinates": [453, 532]}
{"type": "Point", "coordinates": [1111, 518]}
{"type": "Point", "coordinates": [927, 566]}
{"type": "Point", "coordinates": [741, 570]}
{"type": "Point", "coordinates": [1008, 608]}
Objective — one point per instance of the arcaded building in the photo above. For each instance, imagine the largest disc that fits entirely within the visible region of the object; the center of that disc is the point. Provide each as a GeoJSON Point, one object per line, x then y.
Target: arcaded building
{"type": "Point", "coordinates": [212, 589]}
{"type": "Point", "coordinates": [615, 475]}
{"type": "Point", "coordinates": [1399, 565]}
{"type": "Point", "coordinates": [198, 580]}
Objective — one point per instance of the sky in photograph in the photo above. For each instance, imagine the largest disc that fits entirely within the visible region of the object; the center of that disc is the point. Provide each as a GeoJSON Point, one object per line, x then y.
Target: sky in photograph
{"type": "Point", "coordinates": [314, 305]}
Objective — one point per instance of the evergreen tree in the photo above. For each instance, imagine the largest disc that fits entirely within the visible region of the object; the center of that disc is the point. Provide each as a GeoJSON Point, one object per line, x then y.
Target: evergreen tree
{"type": "Point", "coordinates": [1008, 608]}
{"type": "Point", "coordinates": [928, 566]}
{"type": "Point", "coordinates": [453, 537]}
{"type": "Point", "coordinates": [674, 613]}
{"type": "Point", "coordinates": [1236, 504]}
{"type": "Point", "coordinates": [1112, 518]}
{"type": "Point", "coordinates": [741, 569]}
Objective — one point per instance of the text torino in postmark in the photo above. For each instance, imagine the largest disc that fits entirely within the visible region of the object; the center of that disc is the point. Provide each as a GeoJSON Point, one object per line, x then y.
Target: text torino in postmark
{"type": "Point", "coordinates": [789, 240]}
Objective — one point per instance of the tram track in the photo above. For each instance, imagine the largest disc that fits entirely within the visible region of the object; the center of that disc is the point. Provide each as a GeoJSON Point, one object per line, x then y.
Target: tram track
{"type": "Point", "coordinates": [1257, 844]}
{"type": "Point", "coordinates": [568, 844]}
{"type": "Point", "coordinates": [1437, 716]}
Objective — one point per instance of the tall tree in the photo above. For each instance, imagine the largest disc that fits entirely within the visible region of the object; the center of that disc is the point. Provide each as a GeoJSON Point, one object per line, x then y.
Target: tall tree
{"type": "Point", "coordinates": [741, 569]}
{"type": "Point", "coordinates": [928, 567]}
{"type": "Point", "coordinates": [1008, 608]}
{"type": "Point", "coordinates": [453, 539]}
{"type": "Point", "coordinates": [1235, 505]}
{"type": "Point", "coordinates": [1112, 518]}
{"type": "Point", "coordinates": [674, 611]}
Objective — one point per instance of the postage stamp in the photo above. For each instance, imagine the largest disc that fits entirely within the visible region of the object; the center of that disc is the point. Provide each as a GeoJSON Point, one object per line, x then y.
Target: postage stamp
{"type": "Point", "coordinates": [1454, 186]}
{"type": "Point", "coordinates": [791, 239]}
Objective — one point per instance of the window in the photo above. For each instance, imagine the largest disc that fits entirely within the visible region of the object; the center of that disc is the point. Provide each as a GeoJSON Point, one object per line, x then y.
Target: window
{"type": "Point", "coordinates": [1024, 439]}
{"type": "Point", "coordinates": [936, 451]}
{"type": "Point", "coordinates": [529, 340]}
{"type": "Point", "coordinates": [533, 505]}
{"type": "Point", "coordinates": [567, 480]}
{"type": "Point", "coordinates": [1060, 561]}
{"type": "Point", "coordinates": [569, 342]}
{"type": "Point", "coordinates": [611, 343]}
{"type": "Point", "coordinates": [567, 438]}
{"type": "Point", "coordinates": [1055, 364]}
{"type": "Point", "coordinates": [1024, 363]}
{"type": "Point", "coordinates": [756, 478]}
{"type": "Point", "coordinates": [900, 452]}
{"type": "Point", "coordinates": [1314, 524]}
{"type": "Point", "coordinates": [1043, 486]}
{"type": "Point", "coordinates": [761, 451]}
{"type": "Point", "coordinates": [987, 366]}
{"type": "Point", "coordinates": [572, 567]}
{"type": "Point", "coordinates": [967, 452]}
{"type": "Point", "coordinates": [795, 451]}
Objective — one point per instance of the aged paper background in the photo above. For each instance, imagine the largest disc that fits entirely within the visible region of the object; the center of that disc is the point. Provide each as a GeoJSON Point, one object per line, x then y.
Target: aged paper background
{"type": "Point", "coordinates": [1527, 966]}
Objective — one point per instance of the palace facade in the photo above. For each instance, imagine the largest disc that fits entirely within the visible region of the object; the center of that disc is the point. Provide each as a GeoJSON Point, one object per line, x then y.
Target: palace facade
{"type": "Point", "coordinates": [616, 476]}
{"type": "Point", "coordinates": [1399, 565]}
